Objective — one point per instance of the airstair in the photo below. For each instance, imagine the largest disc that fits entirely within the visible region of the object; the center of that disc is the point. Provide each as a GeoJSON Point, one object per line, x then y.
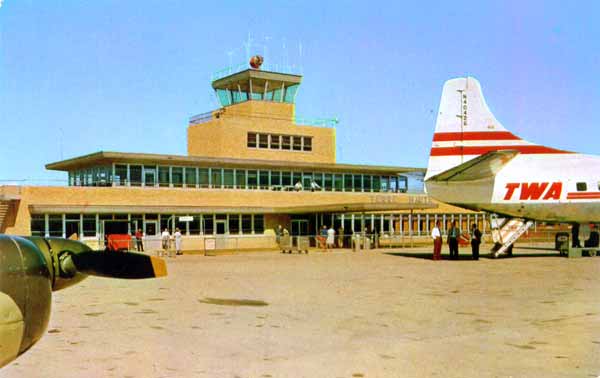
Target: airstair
{"type": "Point", "coordinates": [506, 231]}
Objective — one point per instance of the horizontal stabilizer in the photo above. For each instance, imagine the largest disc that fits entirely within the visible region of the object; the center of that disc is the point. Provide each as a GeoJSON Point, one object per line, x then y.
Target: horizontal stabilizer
{"type": "Point", "coordinates": [481, 167]}
{"type": "Point", "coordinates": [119, 265]}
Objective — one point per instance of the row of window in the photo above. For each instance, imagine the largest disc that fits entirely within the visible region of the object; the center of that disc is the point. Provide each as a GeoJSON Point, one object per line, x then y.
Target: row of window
{"type": "Point", "coordinates": [392, 224]}
{"type": "Point", "coordinates": [582, 186]}
{"type": "Point", "coordinates": [190, 177]}
{"type": "Point", "coordinates": [280, 142]}
{"type": "Point", "coordinates": [97, 225]}
{"type": "Point", "coordinates": [285, 94]}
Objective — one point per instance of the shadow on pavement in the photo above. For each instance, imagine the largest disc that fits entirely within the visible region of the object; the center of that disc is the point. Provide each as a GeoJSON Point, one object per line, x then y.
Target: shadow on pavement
{"type": "Point", "coordinates": [467, 256]}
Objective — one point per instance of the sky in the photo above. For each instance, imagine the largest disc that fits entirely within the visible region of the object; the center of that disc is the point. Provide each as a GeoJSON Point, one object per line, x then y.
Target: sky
{"type": "Point", "coordinates": [81, 76]}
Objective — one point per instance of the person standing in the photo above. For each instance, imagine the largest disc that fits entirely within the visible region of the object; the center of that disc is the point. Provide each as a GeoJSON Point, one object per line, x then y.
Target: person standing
{"type": "Point", "coordinates": [340, 237]}
{"type": "Point", "coordinates": [453, 235]}
{"type": "Point", "coordinates": [164, 237]}
{"type": "Point", "coordinates": [330, 238]}
{"type": "Point", "coordinates": [177, 242]}
{"type": "Point", "coordinates": [475, 241]}
{"type": "Point", "coordinates": [437, 241]}
{"type": "Point", "coordinates": [323, 237]}
{"type": "Point", "coordinates": [138, 240]}
{"type": "Point", "coordinates": [278, 233]}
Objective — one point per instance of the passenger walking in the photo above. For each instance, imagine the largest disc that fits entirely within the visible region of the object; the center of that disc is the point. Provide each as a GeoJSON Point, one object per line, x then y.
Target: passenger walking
{"type": "Point", "coordinates": [330, 238]}
{"type": "Point", "coordinates": [178, 242]}
{"type": "Point", "coordinates": [437, 242]}
{"type": "Point", "coordinates": [298, 186]}
{"type": "Point", "coordinates": [323, 237]}
{"type": "Point", "coordinates": [138, 240]}
{"type": "Point", "coordinates": [453, 235]}
{"type": "Point", "coordinates": [164, 237]}
{"type": "Point", "coordinates": [475, 241]}
{"type": "Point", "coordinates": [314, 186]}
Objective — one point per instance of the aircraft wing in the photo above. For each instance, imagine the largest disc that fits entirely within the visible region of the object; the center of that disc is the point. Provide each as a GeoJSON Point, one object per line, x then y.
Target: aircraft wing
{"type": "Point", "coordinates": [481, 167]}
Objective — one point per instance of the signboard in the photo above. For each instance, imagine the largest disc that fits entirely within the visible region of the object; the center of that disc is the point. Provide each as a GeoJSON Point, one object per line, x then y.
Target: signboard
{"type": "Point", "coordinates": [210, 243]}
{"type": "Point", "coordinates": [187, 218]}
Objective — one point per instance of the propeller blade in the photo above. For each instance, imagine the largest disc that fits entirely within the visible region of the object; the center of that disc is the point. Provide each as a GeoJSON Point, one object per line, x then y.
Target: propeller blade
{"type": "Point", "coordinates": [118, 265]}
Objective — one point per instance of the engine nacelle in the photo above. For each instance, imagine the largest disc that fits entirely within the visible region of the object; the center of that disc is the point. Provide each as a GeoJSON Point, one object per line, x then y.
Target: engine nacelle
{"type": "Point", "coordinates": [25, 296]}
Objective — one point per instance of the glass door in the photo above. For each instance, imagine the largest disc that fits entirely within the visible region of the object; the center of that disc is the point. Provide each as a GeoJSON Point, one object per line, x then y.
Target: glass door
{"type": "Point", "coordinates": [221, 227]}
{"type": "Point", "coordinates": [299, 227]}
{"type": "Point", "coordinates": [151, 228]}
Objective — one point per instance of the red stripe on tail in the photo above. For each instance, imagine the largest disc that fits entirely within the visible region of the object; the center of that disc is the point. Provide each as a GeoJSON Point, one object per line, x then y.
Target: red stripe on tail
{"type": "Point", "coordinates": [524, 149]}
{"type": "Point", "coordinates": [474, 135]}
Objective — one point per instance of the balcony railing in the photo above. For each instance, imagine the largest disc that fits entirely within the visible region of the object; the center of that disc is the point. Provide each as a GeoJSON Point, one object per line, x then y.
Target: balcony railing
{"type": "Point", "coordinates": [200, 118]}
{"type": "Point", "coordinates": [323, 122]}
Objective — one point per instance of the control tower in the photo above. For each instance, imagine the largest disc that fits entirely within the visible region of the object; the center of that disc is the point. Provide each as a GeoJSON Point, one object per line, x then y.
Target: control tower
{"type": "Point", "coordinates": [257, 120]}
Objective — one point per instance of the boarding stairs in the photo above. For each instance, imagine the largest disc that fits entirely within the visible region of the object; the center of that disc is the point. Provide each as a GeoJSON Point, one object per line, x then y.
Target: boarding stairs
{"type": "Point", "coordinates": [506, 231]}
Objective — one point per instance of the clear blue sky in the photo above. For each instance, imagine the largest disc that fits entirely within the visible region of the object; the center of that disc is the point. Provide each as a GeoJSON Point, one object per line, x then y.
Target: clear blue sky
{"type": "Point", "coordinates": [77, 77]}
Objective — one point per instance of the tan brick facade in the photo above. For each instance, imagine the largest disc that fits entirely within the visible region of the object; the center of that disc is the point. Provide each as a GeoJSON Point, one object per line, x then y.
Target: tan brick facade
{"type": "Point", "coordinates": [226, 134]}
{"type": "Point", "coordinates": [184, 201]}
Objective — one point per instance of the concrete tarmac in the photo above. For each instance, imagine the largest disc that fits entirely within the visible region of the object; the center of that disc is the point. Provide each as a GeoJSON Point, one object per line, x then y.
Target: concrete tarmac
{"type": "Point", "coordinates": [340, 314]}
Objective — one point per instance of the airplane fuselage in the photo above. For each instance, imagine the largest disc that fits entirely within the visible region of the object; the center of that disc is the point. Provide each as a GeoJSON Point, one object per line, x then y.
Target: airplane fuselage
{"type": "Point", "coordinates": [551, 187]}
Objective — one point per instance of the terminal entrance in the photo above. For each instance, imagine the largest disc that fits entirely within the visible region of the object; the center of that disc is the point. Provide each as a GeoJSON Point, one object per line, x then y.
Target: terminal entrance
{"type": "Point", "coordinates": [300, 227]}
{"type": "Point", "coordinates": [151, 228]}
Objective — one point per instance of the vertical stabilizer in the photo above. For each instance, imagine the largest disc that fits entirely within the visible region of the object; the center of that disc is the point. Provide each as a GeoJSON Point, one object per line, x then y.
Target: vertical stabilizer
{"type": "Point", "coordinates": [466, 128]}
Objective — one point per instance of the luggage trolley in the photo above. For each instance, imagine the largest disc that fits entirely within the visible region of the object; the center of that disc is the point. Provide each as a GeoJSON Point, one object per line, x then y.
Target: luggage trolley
{"type": "Point", "coordinates": [287, 244]}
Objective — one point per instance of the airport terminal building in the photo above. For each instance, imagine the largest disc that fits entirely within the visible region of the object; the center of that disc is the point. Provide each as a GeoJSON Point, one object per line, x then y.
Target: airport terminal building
{"type": "Point", "coordinates": [251, 165]}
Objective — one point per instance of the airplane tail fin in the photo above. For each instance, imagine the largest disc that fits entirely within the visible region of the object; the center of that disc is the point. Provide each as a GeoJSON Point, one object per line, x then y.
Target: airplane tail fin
{"type": "Point", "coordinates": [466, 128]}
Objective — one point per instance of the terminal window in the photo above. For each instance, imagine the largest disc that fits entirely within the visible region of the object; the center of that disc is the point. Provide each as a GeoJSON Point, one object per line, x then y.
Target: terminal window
{"type": "Point", "coordinates": [263, 140]}
{"type": "Point", "coordinates": [279, 142]}
{"type": "Point", "coordinates": [252, 140]}
{"type": "Point", "coordinates": [275, 142]}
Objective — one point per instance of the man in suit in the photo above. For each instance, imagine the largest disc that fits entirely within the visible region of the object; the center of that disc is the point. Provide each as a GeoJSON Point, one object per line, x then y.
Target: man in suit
{"type": "Point", "coordinates": [453, 235]}
{"type": "Point", "coordinates": [475, 241]}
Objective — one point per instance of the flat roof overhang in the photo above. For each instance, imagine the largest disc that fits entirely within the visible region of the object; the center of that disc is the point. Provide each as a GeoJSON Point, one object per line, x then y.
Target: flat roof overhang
{"type": "Point", "coordinates": [107, 158]}
{"type": "Point", "coordinates": [302, 209]}
{"type": "Point", "coordinates": [258, 78]}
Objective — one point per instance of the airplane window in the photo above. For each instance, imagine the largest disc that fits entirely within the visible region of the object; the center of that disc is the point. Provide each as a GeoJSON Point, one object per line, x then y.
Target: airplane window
{"type": "Point", "coordinates": [581, 186]}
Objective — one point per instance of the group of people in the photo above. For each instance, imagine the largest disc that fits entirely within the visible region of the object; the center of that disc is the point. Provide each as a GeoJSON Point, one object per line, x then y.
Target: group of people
{"type": "Point", "coordinates": [165, 238]}
{"type": "Point", "coordinates": [327, 237]}
{"type": "Point", "coordinates": [313, 186]}
{"type": "Point", "coordinates": [452, 240]}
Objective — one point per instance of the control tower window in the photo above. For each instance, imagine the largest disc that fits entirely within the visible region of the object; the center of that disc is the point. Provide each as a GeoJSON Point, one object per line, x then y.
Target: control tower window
{"type": "Point", "coordinates": [252, 140]}
{"type": "Point", "coordinates": [290, 93]}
